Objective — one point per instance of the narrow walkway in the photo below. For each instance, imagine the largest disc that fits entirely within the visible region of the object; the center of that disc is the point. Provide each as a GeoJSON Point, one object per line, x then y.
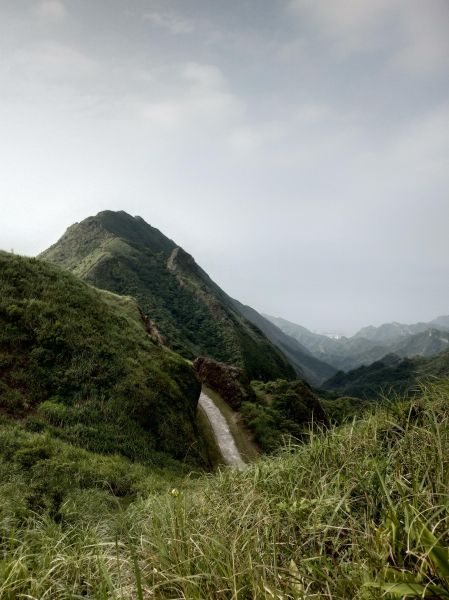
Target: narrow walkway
{"type": "Point", "coordinates": [223, 435]}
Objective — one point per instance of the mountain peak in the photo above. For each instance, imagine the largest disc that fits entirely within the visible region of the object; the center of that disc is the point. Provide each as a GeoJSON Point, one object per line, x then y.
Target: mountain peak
{"type": "Point", "coordinates": [123, 254]}
{"type": "Point", "coordinates": [134, 230]}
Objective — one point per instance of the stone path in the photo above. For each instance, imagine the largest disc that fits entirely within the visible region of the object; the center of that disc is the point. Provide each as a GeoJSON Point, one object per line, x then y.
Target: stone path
{"type": "Point", "coordinates": [223, 435]}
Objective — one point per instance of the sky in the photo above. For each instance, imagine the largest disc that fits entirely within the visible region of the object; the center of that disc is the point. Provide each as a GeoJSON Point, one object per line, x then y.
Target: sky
{"type": "Point", "coordinates": [298, 149]}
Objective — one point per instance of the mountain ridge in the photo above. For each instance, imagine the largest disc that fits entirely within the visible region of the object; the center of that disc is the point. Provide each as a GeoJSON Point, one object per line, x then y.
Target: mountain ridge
{"type": "Point", "coordinates": [348, 353]}
{"type": "Point", "coordinates": [126, 255]}
{"type": "Point", "coordinates": [305, 363]}
{"type": "Point", "coordinates": [391, 375]}
{"type": "Point", "coordinates": [392, 332]}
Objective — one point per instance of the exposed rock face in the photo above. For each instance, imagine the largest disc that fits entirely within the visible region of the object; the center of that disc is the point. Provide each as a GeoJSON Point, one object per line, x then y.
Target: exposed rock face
{"type": "Point", "coordinates": [152, 330]}
{"type": "Point", "coordinates": [228, 381]}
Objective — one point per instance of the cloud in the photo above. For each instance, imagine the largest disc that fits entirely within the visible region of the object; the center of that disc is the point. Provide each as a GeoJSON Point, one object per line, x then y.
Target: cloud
{"type": "Point", "coordinates": [250, 141]}
{"type": "Point", "coordinates": [424, 144]}
{"type": "Point", "coordinates": [203, 100]}
{"type": "Point", "coordinates": [302, 139]}
{"type": "Point", "coordinates": [52, 60]}
{"type": "Point", "coordinates": [350, 25]}
{"type": "Point", "coordinates": [425, 47]}
{"type": "Point", "coordinates": [51, 10]}
{"type": "Point", "coordinates": [412, 33]}
{"type": "Point", "coordinates": [342, 17]}
{"type": "Point", "coordinates": [171, 22]}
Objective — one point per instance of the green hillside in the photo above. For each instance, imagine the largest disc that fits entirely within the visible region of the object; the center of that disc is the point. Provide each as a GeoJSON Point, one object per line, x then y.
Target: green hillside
{"type": "Point", "coordinates": [356, 512]}
{"type": "Point", "coordinates": [389, 375]}
{"type": "Point", "coordinates": [306, 364]}
{"type": "Point", "coordinates": [123, 254]}
{"type": "Point", "coordinates": [282, 410]}
{"type": "Point", "coordinates": [78, 364]}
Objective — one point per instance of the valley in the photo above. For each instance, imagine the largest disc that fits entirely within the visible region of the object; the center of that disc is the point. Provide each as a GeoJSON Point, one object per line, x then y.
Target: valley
{"type": "Point", "coordinates": [372, 344]}
{"type": "Point", "coordinates": [224, 300]}
{"type": "Point", "coordinates": [163, 435]}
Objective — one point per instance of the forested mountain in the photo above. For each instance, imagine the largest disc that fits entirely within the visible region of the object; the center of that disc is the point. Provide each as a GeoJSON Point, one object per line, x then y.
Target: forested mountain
{"type": "Point", "coordinates": [306, 364]}
{"type": "Point", "coordinates": [391, 374]}
{"type": "Point", "coordinates": [124, 254]}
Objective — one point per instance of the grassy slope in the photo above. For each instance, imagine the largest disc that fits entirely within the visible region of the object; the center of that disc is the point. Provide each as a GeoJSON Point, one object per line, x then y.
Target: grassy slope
{"type": "Point", "coordinates": [281, 410]}
{"type": "Point", "coordinates": [325, 520]}
{"type": "Point", "coordinates": [125, 255]}
{"type": "Point", "coordinates": [40, 472]}
{"type": "Point", "coordinates": [77, 362]}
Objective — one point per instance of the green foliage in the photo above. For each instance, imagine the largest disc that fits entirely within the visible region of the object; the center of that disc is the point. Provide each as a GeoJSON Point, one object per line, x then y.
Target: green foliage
{"type": "Point", "coordinates": [78, 363]}
{"type": "Point", "coordinates": [123, 254]}
{"type": "Point", "coordinates": [360, 511]}
{"type": "Point", "coordinates": [388, 376]}
{"type": "Point", "coordinates": [429, 577]}
{"type": "Point", "coordinates": [343, 408]}
{"type": "Point", "coordinates": [39, 472]}
{"type": "Point", "coordinates": [282, 409]}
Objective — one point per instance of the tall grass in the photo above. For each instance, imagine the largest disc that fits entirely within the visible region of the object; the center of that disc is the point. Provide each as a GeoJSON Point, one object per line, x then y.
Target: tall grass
{"type": "Point", "coordinates": [359, 512]}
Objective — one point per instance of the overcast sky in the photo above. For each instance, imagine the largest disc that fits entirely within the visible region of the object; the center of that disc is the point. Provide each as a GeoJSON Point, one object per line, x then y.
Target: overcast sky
{"type": "Point", "coordinates": [298, 149]}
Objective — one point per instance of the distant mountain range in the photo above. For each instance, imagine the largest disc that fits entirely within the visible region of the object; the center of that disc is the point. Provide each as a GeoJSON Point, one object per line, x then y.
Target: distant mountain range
{"type": "Point", "coordinates": [305, 363]}
{"type": "Point", "coordinates": [124, 254]}
{"type": "Point", "coordinates": [392, 332]}
{"type": "Point", "coordinates": [370, 344]}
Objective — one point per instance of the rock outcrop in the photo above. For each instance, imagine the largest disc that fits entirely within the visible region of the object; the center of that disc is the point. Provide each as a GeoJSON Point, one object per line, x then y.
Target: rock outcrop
{"type": "Point", "coordinates": [227, 380]}
{"type": "Point", "coordinates": [152, 330]}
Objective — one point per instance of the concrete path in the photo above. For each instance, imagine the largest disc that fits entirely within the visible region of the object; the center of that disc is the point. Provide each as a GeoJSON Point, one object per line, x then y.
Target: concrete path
{"type": "Point", "coordinates": [223, 435]}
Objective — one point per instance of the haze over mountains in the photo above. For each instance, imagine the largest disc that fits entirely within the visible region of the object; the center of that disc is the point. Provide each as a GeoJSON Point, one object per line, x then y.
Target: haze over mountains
{"type": "Point", "coordinates": [391, 332]}
{"type": "Point", "coordinates": [372, 343]}
{"type": "Point", "coordinates": [305, 363]}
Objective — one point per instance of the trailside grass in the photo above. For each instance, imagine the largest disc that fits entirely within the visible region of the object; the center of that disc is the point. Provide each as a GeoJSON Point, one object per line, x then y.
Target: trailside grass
{"type": "Point", "coordinates": [359, 511]}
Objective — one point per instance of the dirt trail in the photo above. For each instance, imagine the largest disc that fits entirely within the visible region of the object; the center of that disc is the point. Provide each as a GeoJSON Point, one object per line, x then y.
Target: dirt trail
{"type": "Point", "coordinates": [223, 435]}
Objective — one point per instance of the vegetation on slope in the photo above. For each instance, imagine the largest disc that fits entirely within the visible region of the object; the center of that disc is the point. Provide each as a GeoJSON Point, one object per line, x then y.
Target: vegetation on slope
{"type": "Point", "coordinates": [123, 254]}
{"type": "Point", "coordinates": [307, 366]}
{"type": "Point", "coordinates": [40, 472]}
{"type": "Point", "coordinates": [358, 512]}
{"type": "Point", "coordinates": [391, 375]}
{"type": "Point", "coordinates": [271, 412]}
{"type": "Point", "coordinates": [77, 362]}
{"type": "Point", "coordinates": [281, 410]}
